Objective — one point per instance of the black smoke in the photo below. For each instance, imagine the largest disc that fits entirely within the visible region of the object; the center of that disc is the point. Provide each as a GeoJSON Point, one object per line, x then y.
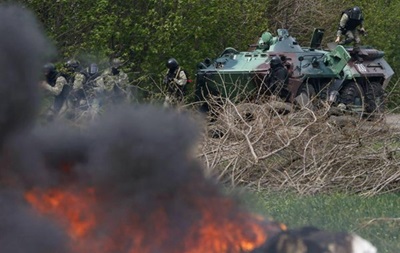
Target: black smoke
{"type": "Point", "coordinates": [22, 230]}
{"type": "Point", "coordinates": [22, 51]}
{"type": "Point", "coordinates": [138, 159]}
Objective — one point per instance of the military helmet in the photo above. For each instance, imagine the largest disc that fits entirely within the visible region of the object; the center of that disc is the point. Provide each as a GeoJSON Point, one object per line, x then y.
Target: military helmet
{"type": "Point", "coordinates": [116, 63]}
{"type": "Point", "coordinates": [172, 63]}
{"type": "Point", "coordinates": [49, 68]}
{"type": "Point", "coordinates": [266, 38]}
{"type": "Point", "coordinates": [355, 13]}
{"type": "Point", "coordinates": [275, 61]}
{"type": "Point", "coordinates": [72, 64]}
{"type": "Point", "coordinates": [93, 69]}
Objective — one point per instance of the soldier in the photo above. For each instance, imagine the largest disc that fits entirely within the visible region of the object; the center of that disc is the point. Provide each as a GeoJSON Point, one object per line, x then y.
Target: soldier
{"type": "Point", "coordinates": [116, 83]}
{"type": "Point", "coordinates": [175, 80]}
{"type": "Point", "coordinates": [350, 20]}
{"type": "Point", "coordinates": [76, 77]}
{"type": "Point", "coordinates": [277, 80]}
{"type": "Point", "coordinates": [92, 90]}
{"type": "Point", "coordinates": [266, 41]}
{"type": "Point", "coordinates": [57, 85]}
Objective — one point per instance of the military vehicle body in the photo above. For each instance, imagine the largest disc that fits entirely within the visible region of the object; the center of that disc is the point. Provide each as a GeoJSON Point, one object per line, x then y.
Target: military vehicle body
{"type": "Point", "coordinates": [314, 74]}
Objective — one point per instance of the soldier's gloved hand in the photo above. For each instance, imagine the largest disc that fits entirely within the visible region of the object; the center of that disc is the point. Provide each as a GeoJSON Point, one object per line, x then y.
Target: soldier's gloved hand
{"type": "Point", "coordinates": [175, 80]}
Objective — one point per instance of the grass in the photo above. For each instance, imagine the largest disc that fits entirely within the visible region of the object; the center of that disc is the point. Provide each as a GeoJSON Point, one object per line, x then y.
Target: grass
{"type": "Point", "coordinates": [376, 218]}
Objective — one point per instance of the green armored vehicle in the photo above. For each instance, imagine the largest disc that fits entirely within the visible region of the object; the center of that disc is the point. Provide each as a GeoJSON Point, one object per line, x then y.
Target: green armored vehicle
{"type": "Point", "coordinates": [315, 74]}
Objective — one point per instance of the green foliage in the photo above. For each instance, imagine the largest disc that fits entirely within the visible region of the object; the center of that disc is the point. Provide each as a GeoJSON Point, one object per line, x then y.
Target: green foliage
{"type": "Point", "coordinates": [374, 218]}
{"type": "Point", "coordinates": [145, 33]}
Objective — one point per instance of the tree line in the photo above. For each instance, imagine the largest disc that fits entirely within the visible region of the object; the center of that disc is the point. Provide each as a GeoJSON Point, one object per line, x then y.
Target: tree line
{"type": "Point", "coordinates": [145, 33]}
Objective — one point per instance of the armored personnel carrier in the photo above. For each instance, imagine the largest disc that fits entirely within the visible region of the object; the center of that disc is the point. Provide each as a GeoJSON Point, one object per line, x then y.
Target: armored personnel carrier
{"type": "Point", "coordinates": [315, 74]}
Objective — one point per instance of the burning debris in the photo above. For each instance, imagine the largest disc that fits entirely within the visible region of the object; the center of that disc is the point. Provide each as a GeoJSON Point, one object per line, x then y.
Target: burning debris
{"type": "Point", "coordinates": [311, 239]}
{"type": "Point", "coordinates": [126, 183]}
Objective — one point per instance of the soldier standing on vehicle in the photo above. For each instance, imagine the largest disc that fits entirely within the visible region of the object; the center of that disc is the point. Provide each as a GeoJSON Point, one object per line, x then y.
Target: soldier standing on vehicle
{"type": "Point", "coordinates": [175, 81]}
{"type": "Point", "coordinates": [351, 19]}
{"type": "Point", "coordinates": [266, 41]}
{"type": "Point", "coordinates": [116, 83]}
{"type": "Point", "coordinates": [56, 85]}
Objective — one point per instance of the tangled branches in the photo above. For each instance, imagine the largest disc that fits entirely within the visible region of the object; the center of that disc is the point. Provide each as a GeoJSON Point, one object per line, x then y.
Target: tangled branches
{"type": "Point", "coordinates": [262, 146]}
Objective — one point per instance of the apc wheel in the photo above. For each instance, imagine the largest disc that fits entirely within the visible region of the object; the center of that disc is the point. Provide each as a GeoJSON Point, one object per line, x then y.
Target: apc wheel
{"type": "Point", "coordinates": [308, 90]}
{"type": "Point", "coordinates": [350, 94]}
{"type": "Point", "coordinates": [306, 96]}
{"type": "Point", "coordinates": [375, 98]}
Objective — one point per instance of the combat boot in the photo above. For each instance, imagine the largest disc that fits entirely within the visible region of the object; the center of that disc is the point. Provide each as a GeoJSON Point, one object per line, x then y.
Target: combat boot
{"type": "Point", "coordinates": [356, 55]}
{"type": "Point", "coordinates": [346, 41]}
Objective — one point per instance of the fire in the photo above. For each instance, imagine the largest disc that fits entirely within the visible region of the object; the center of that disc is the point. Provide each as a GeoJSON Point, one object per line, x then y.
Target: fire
{"type": "Point", "coordinates": [214, 226]}
{"type": "Point", "coordinates": [72, 211]}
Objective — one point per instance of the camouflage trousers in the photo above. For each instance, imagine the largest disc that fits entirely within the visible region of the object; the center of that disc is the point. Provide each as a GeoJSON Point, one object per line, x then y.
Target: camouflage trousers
{"type": "Point", "coordinates": [172, 100]}
{"type": "Point", "coordinates": [352, 36]}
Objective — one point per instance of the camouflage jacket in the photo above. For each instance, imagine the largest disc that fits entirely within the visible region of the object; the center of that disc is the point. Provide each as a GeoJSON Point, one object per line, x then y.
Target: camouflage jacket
{"type": "Point", "coordinates": [57, 88]}
{"type": "Point", "coordinates": [112, 82]}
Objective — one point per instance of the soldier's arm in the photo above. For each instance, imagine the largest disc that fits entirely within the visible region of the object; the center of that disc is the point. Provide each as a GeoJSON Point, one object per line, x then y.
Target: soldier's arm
{"type": "Point", "coordinates": [108, 81]}
{"type": "Point", "coordinates": [78, 81]}
{"type": "Point", "coordinates": [362, 29]}
{"type": "Point", "coordinates": [182, 80]}
{"type": "Point", "coordinates": [99, 84]}
{"type": "Point", "coordinates": [57, 88]}
{"type": "Point", "coordinates": [342, 24]}
{"type": "Point", "coordinates": [123, 80]}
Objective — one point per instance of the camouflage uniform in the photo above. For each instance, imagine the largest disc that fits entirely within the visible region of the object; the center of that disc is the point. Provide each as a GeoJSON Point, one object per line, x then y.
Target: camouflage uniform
{"type": "Point", "coordinates": [116, 84]}
{"type": "Point", "coordinates": [77, 77]}
{"type": "Point", "coordinates": [350, 20]}
{"type": "Point", "coordinates": [175, 79]}
{"type": "Point", "coordinates": [93, 90]}
{"type": "Point", "coordinates": [57, 86]}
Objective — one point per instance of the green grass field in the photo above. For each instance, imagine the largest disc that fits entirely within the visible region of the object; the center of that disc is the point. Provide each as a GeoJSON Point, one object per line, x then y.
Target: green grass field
{"type": "Point", "coordinates": [376, 219]}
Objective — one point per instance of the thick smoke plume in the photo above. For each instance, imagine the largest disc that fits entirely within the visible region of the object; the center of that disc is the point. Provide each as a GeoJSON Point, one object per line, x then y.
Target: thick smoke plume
{"type": "Point", "coordinates": [22, 51]}
{"type": "Point", "coordinates": [126, 183]}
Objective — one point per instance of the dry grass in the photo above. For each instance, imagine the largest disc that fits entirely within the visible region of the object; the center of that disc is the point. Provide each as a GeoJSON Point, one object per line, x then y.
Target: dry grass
{"type": "Point", "coordinates": [261, 147]}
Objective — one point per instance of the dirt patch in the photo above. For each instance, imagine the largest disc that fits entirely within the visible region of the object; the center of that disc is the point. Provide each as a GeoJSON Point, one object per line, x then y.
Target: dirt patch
{"type": "Point", "coordinates": [393, 120]}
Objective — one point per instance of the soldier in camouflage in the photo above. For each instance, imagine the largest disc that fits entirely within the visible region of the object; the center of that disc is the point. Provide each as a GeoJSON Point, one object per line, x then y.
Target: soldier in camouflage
{"type": "Point", "coordinates": [57, 86]}
{"type": "Point", "coordinates": [77, 77]}
{"type": "Point", "coordinates": [92, 91]}
{"type": "Point", "coordinates": [175, 81]}
{"type": "Point", "coordinates": [350, 20]}
{"type": "Point", "coordinates": [116, 83]}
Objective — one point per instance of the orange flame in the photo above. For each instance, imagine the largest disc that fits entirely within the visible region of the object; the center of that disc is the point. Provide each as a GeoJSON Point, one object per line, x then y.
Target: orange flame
{"type": "Point", "coordinates": [74, 212]}
{"type": "Point", "coordinates": [217, 229]}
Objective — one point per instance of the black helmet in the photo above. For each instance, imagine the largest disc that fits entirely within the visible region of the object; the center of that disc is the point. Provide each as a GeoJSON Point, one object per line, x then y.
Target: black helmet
{"type": "Point", "coordinates": [49, 68]}
{"type": "Point", "coordinates": [72, 65]}
{"type": "Point", "coordinates": [172, 63]}
{"type": "Point", "coordinates": [275, 61]}
{"type": "Point", "coordinates": [355, 13]}
{"type": "Point", "coordinates": [93, 69]}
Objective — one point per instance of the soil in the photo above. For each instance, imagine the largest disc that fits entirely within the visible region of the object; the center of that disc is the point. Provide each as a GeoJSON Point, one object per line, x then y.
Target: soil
{"type": "Point", "coordinates": [393, 120]}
